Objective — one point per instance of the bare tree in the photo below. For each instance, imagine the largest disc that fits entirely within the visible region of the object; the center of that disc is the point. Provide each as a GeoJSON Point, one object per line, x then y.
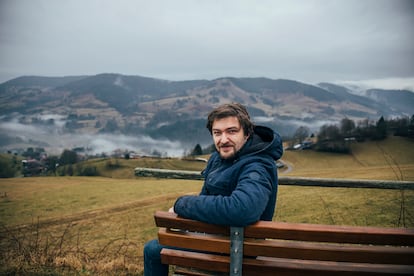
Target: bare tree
{"type": "Point", "coordinates": [347, 126]}
{"type": "Point", "coordinates": [301, 133]}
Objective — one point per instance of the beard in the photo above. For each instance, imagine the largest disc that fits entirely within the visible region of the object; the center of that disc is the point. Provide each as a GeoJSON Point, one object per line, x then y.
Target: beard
{"type": "Point", "coordinates": [227, 151]}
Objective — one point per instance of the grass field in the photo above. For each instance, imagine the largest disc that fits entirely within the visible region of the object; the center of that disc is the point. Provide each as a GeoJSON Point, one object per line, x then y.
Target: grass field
{"type": "Point", "coordinates": [98, 225]}
{"type": "Point", "coordinates": [391, 159]}
{"type": "Point", "coordinates": [107, 221]}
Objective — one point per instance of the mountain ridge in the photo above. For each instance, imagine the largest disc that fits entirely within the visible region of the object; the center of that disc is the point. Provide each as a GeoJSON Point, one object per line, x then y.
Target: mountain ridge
{"type": "Point", "coordinates": [135, 105]}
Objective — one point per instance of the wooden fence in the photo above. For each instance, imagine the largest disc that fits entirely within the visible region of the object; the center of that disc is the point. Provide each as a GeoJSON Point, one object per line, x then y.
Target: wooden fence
{"type": "Point", "coordinates": [286, 180]}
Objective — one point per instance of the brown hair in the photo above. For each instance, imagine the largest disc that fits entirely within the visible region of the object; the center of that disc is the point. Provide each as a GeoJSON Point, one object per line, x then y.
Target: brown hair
{"type": "Point", "coordinates": [231, 110]}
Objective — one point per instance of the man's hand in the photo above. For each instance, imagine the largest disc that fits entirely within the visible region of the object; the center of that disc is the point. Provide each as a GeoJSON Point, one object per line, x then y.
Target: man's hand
{"type": "Point", "coordinates": [171, 210]}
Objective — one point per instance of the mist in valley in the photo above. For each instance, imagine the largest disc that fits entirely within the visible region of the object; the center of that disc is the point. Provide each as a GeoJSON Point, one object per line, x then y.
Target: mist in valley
{"type": "Point", "coordinates": [49, 133]}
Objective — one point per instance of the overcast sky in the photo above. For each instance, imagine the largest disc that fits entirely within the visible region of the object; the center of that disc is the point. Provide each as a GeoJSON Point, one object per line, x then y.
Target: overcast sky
{"type": "Point", "coordinates": [310, 41]}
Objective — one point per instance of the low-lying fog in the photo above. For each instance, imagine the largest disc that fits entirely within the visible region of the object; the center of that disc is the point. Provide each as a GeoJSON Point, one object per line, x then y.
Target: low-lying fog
{"type": "Point", "coordinates": [54, 140]}
{"type": "Point", "coordinates": [48, 132]}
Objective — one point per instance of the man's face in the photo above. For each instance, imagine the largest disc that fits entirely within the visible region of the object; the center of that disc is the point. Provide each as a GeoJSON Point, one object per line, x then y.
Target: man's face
{"type": "Point", "coordinates": [228, 136]}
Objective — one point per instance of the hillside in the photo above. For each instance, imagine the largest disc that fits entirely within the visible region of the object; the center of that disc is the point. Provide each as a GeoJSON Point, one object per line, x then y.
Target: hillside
{"type": "Point", "coordinates": [390, 159]}
{"type": "Point", "coordinates": [135, 106]}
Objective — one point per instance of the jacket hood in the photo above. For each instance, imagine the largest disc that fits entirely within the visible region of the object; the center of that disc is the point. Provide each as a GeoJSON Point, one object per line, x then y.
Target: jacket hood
{"type": "Point", "coordinates": [263, 141]}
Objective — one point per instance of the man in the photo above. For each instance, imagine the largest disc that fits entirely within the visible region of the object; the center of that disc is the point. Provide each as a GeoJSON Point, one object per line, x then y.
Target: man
{"type": "Point", "coordinates": [240, 185]}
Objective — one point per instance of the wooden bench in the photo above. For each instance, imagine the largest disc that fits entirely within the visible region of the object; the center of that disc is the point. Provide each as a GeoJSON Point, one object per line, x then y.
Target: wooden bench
{"type": "Point", "coordinates": [278, 248]}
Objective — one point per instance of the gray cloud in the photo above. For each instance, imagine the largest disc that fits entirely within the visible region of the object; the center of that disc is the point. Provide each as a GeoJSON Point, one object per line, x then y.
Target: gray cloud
{"type": "Point", "coordinates": [311, 41]}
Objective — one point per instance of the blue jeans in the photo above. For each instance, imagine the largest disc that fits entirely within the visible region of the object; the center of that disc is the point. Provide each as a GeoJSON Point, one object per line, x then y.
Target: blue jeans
{"type": "Point", "coordinates": [152, 259]}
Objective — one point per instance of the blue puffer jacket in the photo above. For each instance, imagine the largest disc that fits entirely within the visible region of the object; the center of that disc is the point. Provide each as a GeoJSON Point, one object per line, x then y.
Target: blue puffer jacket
{"type": "Point", "coordinates": [240, 191]}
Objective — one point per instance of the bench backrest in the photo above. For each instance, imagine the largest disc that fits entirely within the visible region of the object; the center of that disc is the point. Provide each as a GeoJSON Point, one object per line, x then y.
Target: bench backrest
{"type": "Point", "coordinates": [270, 247]}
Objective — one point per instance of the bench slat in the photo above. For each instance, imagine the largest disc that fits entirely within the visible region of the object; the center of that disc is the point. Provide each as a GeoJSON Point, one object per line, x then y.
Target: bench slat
{"type": "Point", "coordinates": [329, 252]}
{"type": "Point", "coordinates": [298, 231]}
{"type": "Point", "coordinates": [280, 266]}
{"type": "Point", "coordinates": [290, 249]}
{"type": "Point", "coordinates": [197, 260]}
{"type": "Point", "coordinates": [195, 241]}
{"type": "Point", "coordinates": [331, 233]}
{"type": "Point", "coordinates": [181, 271]}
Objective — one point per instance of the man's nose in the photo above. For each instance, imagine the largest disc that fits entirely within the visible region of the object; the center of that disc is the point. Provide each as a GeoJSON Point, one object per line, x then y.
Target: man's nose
{"type": "Point", "coordinates": [224, 138]}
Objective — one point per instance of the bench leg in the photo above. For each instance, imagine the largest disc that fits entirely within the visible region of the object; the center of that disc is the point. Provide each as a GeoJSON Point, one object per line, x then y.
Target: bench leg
{"type": "Point", "coordinates": [236, 250]}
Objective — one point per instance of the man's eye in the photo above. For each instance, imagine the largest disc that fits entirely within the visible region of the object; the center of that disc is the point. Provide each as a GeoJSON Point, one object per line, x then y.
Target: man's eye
{"type": "Point", "coordinates": [216, 133]}
{"type": "Point", "coordinates": [232, 131]}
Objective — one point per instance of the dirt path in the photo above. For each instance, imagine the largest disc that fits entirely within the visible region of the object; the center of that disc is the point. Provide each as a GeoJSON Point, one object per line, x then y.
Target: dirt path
{"type": "Point", "coordinates": [288, 167]}
{"type": "Point", "coordinates": [87, 215]}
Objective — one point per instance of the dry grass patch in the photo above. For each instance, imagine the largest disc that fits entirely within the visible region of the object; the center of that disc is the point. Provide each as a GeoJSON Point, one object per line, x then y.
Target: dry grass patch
{"type": "Point", "coordinates": [53, 197]}
{"type": "Point", "coordinates": [102, 235]}
{"type": "Point", "coordinates": [106, 234]}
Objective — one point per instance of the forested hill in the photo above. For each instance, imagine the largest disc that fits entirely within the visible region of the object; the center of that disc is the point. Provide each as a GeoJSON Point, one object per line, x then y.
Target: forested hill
{"type": "Point", "coordinates": [115, 103]}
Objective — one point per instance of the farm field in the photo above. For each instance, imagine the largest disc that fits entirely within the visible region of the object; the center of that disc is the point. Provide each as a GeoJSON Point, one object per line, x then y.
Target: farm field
{"type": "Point", "coordinates": [99, 225]}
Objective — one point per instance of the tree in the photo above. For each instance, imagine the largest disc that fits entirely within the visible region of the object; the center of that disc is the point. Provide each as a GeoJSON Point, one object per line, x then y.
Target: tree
{"type": "Point", "coordinates": [30, 152]}
{"type": "Point", "coordinates": [51, 163]}
{"type": "Point", "coordinates": [197, 150]}
{"type": "Point", "coordinates": [6, 170]}
{"type": "Point", "coordinates": [399, 126]}
{"type": "Point", "coordinates": [68, 157]}
{"type": "Point", "coordinates": [331, 140]}
{"type": "Point", "coordinates": [411, 127]}
{"type": "Point", "coordinates": [301, 133]}
{"type": "Point", "coordinates": [329, 132]}
{"type": "Point", "coordinates": [70, 170]}
{"type": "Point", "coordinates": [111, 126]}
{"type": "Point", "coordinates": [364, 130]}
{"type": "Point", "coordinates": [347, 127]}
{"type": "Point", "coordinates": [381, 129]}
